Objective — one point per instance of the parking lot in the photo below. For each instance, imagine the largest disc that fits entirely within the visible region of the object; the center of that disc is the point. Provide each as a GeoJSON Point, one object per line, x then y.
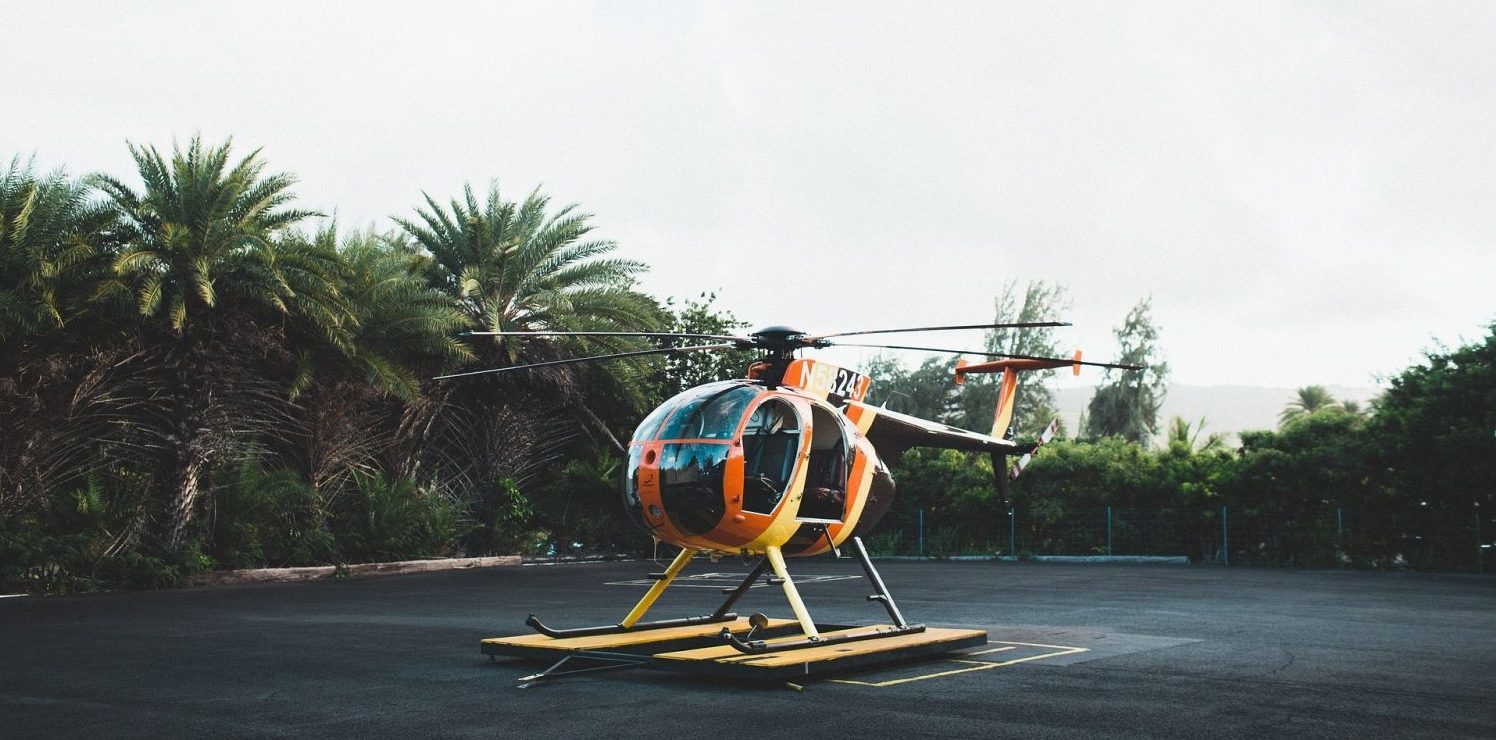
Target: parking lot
{"type": "Point", "coordinates": [1074, 650]}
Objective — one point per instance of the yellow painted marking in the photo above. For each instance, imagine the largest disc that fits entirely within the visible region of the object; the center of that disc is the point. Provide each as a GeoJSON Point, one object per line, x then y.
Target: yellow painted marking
{"type": "Point", "coordinates": [864, 416]}
{"type": "Point", "coordinates": [993, 650]}
{"type": "Point", "coordinates": [784, 524]}
{"type": "Point", "coordinates": [975, 665]}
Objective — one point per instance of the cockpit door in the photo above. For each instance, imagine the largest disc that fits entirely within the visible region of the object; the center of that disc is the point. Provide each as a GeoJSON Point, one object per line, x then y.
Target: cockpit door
{"type": "Point", "coordinates": [825, 496]}
{"type": "Point", "coordinates": [771, 444]}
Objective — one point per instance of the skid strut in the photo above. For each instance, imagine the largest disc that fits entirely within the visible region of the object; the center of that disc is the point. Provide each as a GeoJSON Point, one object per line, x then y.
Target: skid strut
{"type": "Point", "coordinates": [774, 559]}
{"type": "Point", "coordinates": [812, 636]}
{"type": "Point", "coordinates": [608, 661]}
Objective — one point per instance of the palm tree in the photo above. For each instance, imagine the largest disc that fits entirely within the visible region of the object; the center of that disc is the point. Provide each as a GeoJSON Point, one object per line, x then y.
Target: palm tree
{"type": "Point", "coordinates": [516, 266]}
{"type": "Point", "coordinates": [202, 232]}
{"type": "Point", "coordinates": [513, 267]}
{"type": "Point", "coordinates": [50, 237]}
{"type": "Point", "coordinates": [52, 385]}
{"type": "Point", "coordinates": [1310, 398]}
{"type": "Point", "coordinates": [1187, 434]}
{"type": "Point", "coordinates": [401, 322]}
{"type": "Point", "coordinates": [347, 407]}
{"type": "Point", "coordinates": [204, 266]}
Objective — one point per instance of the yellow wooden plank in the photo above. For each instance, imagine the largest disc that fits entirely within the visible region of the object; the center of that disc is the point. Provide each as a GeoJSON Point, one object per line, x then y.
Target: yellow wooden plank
{"type": "Point", "coordinates": [866, 647]}
{"type": "Point", "coordinates": [626, 639]}
{"type": "Point", "coordinates": [720, 652]}
{"type": "Point", "coordinates": [727, 654]}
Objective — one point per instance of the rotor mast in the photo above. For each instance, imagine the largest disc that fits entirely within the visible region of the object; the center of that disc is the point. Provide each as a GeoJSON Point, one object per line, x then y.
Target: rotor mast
{"type": "Point", "coordinates": [778, 344]}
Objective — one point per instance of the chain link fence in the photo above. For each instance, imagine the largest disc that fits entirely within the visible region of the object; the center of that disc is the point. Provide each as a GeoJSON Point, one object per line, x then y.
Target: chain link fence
{"type": "Point", "coordinates": [1331, 537]}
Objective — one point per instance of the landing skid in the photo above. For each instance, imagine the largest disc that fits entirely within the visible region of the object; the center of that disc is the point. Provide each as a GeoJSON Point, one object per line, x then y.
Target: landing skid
{"type": "Point", "coordinates": [723, 644]}
{"type": "Point", "coordinates": [631, 623]}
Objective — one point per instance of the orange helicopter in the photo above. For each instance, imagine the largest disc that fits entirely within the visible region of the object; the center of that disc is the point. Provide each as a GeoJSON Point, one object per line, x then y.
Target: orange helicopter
{"type": "Point", "coordinates": [789, 461]}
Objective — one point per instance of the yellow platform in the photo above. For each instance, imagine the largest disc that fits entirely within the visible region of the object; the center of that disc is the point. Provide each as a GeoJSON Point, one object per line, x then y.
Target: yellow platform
{"type": "Point", "coordinates": [699, 649]}
{"type": "Point", "coordinates": [724, 660]}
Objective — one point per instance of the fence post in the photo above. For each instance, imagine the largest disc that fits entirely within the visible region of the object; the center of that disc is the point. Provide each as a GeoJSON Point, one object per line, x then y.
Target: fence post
{"type": "Point", "coordinates": [921, 532]}
{"type": "Point", "coordinates": [1480, 552]}
{"type": "Point", "coordinates": [1013, 532]}
{"type": "Point", "coordinates": [1108, 531]}
{"type": "Point", "coordinates": [1225, 540]}
{"type": "Point", "coordinates": [1339, 522]}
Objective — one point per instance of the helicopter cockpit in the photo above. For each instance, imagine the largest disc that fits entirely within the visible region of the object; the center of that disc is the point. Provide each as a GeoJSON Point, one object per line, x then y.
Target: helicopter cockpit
{"type": "Point", "coordinates": [690, 443]}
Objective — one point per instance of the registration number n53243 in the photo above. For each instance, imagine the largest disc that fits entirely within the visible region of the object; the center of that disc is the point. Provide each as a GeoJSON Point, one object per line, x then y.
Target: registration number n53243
{"type": "Point", "coordinates": [827, 381]}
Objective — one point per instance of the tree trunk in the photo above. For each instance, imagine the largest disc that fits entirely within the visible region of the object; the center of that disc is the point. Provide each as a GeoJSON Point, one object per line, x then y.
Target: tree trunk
{"type": "Point", "coordinates": [184, 501]}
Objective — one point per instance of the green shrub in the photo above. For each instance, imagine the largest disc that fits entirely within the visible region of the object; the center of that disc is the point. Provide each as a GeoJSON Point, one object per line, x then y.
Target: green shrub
{"type": "Point", "coordinates": [394, 520]}
{"type": "Point", "coordinates": [270, 518]}
{"type": "Point", "coordinates": [500, 522]}
{"type": "Point", "coordinates": [886, 543]}
{"type": "Point", "coordinates": [943, 542]}
{"type": "Point", "coordinates": [85, 539]}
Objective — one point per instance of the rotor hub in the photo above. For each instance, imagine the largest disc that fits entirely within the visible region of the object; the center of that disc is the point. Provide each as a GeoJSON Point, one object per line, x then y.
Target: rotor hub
{"type": "Point", "coordinates": [781, 341]}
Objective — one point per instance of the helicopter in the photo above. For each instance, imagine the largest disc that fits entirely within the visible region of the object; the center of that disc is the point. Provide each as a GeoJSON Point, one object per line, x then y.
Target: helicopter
{"type": "Point", "coordinates": [789, 461]}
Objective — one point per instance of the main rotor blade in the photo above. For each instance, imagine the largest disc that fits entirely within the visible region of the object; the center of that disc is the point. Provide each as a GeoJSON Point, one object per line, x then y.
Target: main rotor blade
{"type": "Point", "coordinates": [594, 358]}
{"type": "Point", "coordinates": [1019, 325]}
{"type": "Point", "coordinates": [669, 334]}
{"type": "Point", "coordinates": [984, 353]}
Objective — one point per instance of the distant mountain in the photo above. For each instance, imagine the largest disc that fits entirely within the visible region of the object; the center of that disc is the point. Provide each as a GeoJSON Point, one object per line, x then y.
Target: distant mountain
{"type": "Point", "coordinates": [1227, 409]}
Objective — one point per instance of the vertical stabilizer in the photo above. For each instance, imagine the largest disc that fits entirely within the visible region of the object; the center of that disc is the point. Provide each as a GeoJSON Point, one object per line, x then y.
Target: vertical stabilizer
{"type": "Point", "coordinates": [1002, 418]}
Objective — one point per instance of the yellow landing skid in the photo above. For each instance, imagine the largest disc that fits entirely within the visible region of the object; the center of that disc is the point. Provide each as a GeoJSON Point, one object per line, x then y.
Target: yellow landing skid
{"type": "Point", "coordinates": [648, 642]}
{"type": "Point", "coordinates": [700, 650]}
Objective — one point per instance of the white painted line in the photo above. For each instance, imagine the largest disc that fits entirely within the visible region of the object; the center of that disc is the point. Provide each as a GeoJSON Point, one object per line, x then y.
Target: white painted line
{"type": "Point", "coordinates": [12, 596]}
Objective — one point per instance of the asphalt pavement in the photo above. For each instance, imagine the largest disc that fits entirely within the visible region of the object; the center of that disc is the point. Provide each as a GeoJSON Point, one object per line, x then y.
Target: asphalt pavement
{"type": "Point", "coordinates": [1075, 651]}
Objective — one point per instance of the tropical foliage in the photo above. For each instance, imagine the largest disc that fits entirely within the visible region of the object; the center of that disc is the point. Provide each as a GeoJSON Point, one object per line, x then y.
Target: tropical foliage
{"type": "Point", "coordinates": [196, 372]}
{"type": "Point", "coordinates": [1033, 406]}
{"type": "Point", "coordinates": [1413, 485]}
{"type": "Point", "coordinates": [1308, 400]}
{"type": "Point", "coordinates": [1127, 403]}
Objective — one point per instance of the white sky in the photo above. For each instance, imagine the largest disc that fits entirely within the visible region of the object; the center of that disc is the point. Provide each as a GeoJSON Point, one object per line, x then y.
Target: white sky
{"type": "Point", "coordinates": [1308, 191]}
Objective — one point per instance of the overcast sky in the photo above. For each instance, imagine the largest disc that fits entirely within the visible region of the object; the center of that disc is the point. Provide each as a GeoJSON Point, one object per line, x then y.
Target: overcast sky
{"type": "Point", "coordinates": [1306, 190]}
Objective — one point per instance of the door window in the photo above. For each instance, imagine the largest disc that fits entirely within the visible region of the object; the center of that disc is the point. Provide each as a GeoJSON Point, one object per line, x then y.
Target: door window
{"type": "Point", "coordinates": [771, 444]}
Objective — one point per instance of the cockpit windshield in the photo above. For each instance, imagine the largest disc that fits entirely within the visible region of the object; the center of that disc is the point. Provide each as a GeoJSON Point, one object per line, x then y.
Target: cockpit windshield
{"type": "Point", "coordinates": [679, 410]}
{"type": "Point", "coordinates": [713, 414]}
